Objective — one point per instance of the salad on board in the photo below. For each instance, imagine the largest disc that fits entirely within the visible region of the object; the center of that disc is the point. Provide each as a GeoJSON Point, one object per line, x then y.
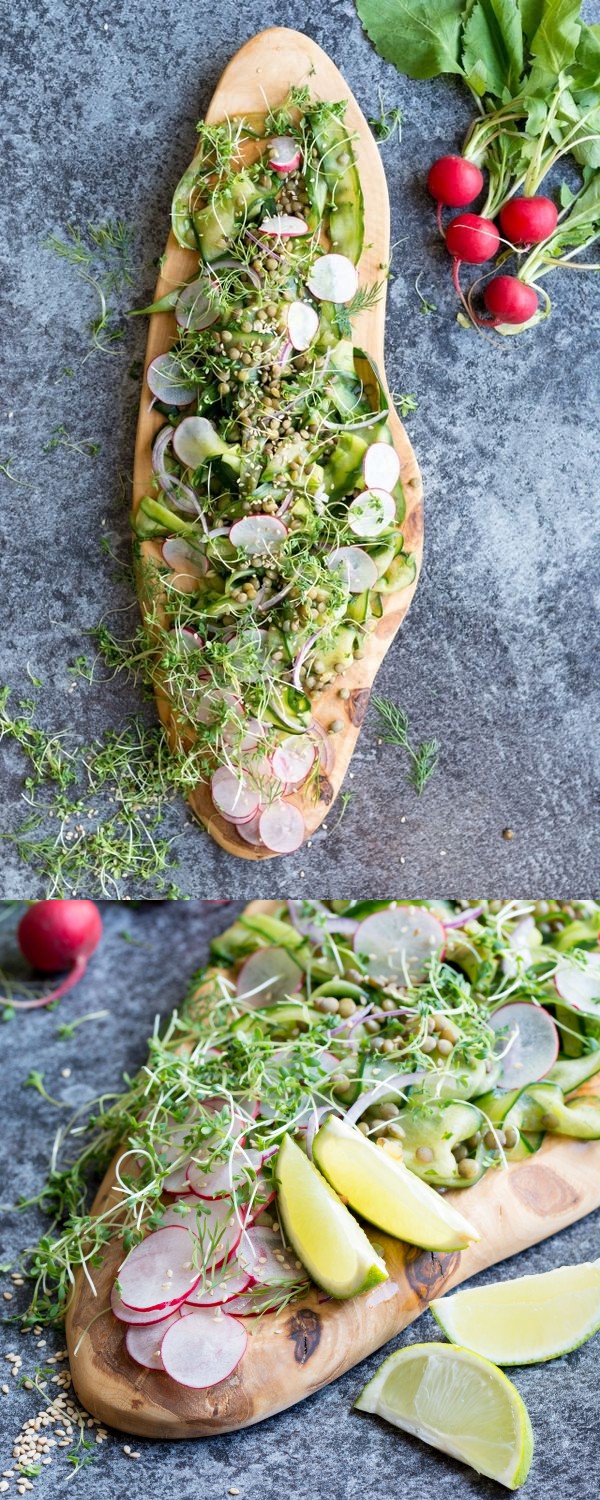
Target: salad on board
{"type": "Point", "coordinates": [270, 533]}
{"type": "Point", "coordinates": [338, 1067]}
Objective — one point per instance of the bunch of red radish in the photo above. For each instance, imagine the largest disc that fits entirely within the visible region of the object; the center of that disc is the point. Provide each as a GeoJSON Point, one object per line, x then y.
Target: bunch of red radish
{"type": "Point", "coordinates": [455, 182]}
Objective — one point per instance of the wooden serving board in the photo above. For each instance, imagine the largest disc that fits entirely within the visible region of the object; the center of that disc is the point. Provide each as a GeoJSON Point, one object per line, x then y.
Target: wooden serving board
{"type": "Point", "coordinates": [260, 75]}
{"type": "Point", "coordinates": [290, 1356]}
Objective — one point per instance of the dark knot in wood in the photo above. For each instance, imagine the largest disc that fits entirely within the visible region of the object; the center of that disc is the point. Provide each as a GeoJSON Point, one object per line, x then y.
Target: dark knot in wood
{"type": "Point", "coordinates": [304, 1329]}
{"type": "Point", "coordinates": [428, 1270]}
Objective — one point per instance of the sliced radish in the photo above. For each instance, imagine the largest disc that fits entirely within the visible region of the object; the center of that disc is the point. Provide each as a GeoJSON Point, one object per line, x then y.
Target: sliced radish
{"type": "Point", "coordinates": [580, 986]}
{"type": "Point", "coordinates": [528, 1046]}
{"type": "Point", "coordinates": [520, 955]}
{"type": "Point", "coordinates": [130, 1315]}
{"type": "Point", "coordinates": [254, 734]}
{"type": "Point", "coordinates": [250, 831]}
{"type": "Point", "coordinates": [284, 226]}
{"type": "Point", "coordinates": [183, 558]}
{"type": "Point", "coordinates": [293, 759]}
{"type": "Point", "coordinates": [143, 1344]}
{"type": "Point", "coordinates": [159, 1271]}
{"type": "Point", "coordinates": [220, 1180]}
{"type": "Point", "coordinates": [303, 324]}
{"type": "Point", "coordinates": [212, 702]}
{"type": "Point", "coordinates": [233, 796]}
{"type": "Point", "coordinates": [398, 944]}
{"type": "Point", "coordinates": [191, 640]}
{"type": "Point", "coordinates": [268, 975]}
{"type": "Point", "coordinates": [371, 513]}
{"type": "Point", "coordinates": [195, 440]}
{"type": "Point", "coordinates": [168, 382]}
{"type": "Point", "coordinates": [358, 569]}
{"type": "Point", "coordinates": [177, 1182]}
{"type": "Point", "coordinates": [258, 534]}
{"type": "Point", "coordinates": [264, 1194]}
{"type": "Point", "coordinates": [381, 467]}
{"type": "Point", "coordinates": [215, 1223]}
{"type": "Point", "coordinates": [195, 307]}
{"type": "Point", "coordinates": [333, 278]}
{"type": "Point", "coordinates": [203, 1350]}
{"type": "Point", "coordinates": [232, 1281]}
{"type": "Point", "coordinates": [284, 153]}
{"type": "Point", "coordinates": [272, 1263]}
{"type": "Point", "coordinates": [282, 827]}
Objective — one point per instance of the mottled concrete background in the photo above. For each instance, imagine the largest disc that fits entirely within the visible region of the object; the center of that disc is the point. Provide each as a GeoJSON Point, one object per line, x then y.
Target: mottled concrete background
{"type": "Point", "coordinates": [498, 657]}
{"type": "Point", "coordinates": [320, 1450]}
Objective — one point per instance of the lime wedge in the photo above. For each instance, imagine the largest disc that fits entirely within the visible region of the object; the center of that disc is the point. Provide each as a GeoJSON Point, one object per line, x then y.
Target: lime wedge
{"type": "Point", "coordinates": [385, 1192]}
{"type": "Point", "coordinates": [458, 1402]}
{"type": "Point", "coordinates": [529, 1319]}
{"type": "Point", "coordinates": [326, 1238]}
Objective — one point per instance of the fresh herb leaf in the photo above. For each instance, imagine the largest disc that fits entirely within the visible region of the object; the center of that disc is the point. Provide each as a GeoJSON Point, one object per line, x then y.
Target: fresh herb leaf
{"type": "Point", "coordinates": [387, 121]}
{"type": "Point", "coordinates": [422, 37]}
{"type": "Point", "coordinates": [423, 760]}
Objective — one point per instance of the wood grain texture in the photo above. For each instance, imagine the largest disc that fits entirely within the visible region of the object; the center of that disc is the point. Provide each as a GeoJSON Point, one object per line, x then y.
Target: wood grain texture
{"type": "Point", "coordinates": [262, 73]}
{"type": "Point", "coordinates": [291, 1356]}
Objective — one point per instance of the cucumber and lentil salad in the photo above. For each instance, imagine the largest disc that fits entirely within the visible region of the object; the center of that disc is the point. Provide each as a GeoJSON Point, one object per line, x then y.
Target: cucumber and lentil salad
{"type": "Point", "coordinates": [406, 1024]}
{"type": "Point", "coordinates": [276, 504]}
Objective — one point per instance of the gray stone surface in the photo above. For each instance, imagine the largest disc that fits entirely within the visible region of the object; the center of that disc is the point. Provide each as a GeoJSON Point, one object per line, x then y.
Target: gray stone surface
{"type": "Point", "coordinates": [498, 656]}
{"type": "Point", "coordinates": [320, 1450]}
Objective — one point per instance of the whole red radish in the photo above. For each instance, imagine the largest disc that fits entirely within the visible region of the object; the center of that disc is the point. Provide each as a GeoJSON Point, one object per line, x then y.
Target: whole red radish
{"type": "Point", "coordinates": [472, 238]}
{"type": "Point", "coordinates": [58, 935]}
{"type": "Point", "coordinates": [528, 221]}
{"type": "Point", "coordinates": [454, 181]}
{"type": "Point", "coordinates": [510, 300]}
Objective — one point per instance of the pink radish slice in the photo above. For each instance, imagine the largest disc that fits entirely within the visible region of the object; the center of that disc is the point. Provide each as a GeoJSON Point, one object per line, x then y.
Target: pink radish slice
{"type": "Point", "coordinates": [257, 534]}
{"type": "Point", "coordinates": [284, 153]}
{"type": "Point", "coordinates": [219, 1180]}
{"type": "Point", "coordinates": [303, 323]}
{"type": "Point", "coordinates": [232, 795]}
{"type": "Point", "coordinates": [191, 640]}
{"type": "Point", "coordinates": [184, 558]}
{"type": "Point", "coordinates": [520, 956]}
{"type": "Point", "coordinates": [358, 569]}
{"type": "Point", "coordinates": [203, 1350]}
{"type": "Point", "coordinates": [268, 975]}
{"type": "Point", "coordinates": [398, 944]}
{"type": "Point", "coordinates": [212, 700]}
{"type": "Point", "coordinates": [272, 1261]}
{"type": "Point", "coordinates": [250, 831]}
{"type": "Point", "coordinates": [333, 278]}
{"type": "Point", "coordinates": [528, 1044]}
{"type": "Point", "coordinates": [129, 1314]}
{"type": "Point", "coordinates": [159, 1271]}
{"type": "Point", "coordinates": [254, 734]}
{"type": "Point", "coordinates": [177, 1182]}
{"type": "Point", "coordinates": [293, 759]}
{"type": "Point", "coordinates": [230, 1286]}
{"type": "Point", "coordinates": [580, 987]}
{"type": "Point", "coordinates": [324, 746]}
{"type": "Point", "coordinates": [168, 383]}
{"type": "Point", "coordinates": [371, 513]}
{"type": "Point", "coordinates": [216, 1224]}
{"type": "Point", "coordinates": [284, 226]}
{"type": "Point", "coordinates": [281, 827]}
{"type": "Point", "coordinates": [287, 349]}
{"type": "Point", "coordinates": [195, 440]}
{"type": "Point", "coordinates": [143, 1344]}
{"type": "Point", "coordinates": [264, 1196]}
{"type": "Point", "coordinates": [195, 307]}
{"type": "Point", "coordinates": [381, 467]}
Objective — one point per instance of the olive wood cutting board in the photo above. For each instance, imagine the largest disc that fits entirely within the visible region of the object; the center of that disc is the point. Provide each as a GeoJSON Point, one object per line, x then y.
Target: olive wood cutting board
{"type": "Point", "coordinates": [307, 1346]}
{"type": "Point", "coordinates": [260, 75]}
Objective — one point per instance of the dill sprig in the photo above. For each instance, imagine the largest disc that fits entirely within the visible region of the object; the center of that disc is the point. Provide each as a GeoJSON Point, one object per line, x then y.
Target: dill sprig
{"type": "Point", "coordinates": [423, 759]}
{"type": "Point", "coordinates": [101, 255]}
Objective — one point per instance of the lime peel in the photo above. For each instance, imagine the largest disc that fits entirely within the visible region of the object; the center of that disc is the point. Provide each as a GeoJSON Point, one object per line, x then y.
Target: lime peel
{"type": "Point", "coordinates": [326, 1237]}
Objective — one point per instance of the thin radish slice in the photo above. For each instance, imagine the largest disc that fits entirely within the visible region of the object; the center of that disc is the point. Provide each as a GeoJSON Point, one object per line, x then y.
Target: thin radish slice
{"type": "Point", "coordinates": [195, 440]}
{"type": "Point", "coordinates": [324, 746]}
{"type": "Point", "coordinates": [216, 1224]}
{"type": "Point", "coordinates": [282, 827]}
{"type": "Point", "coordinates": [222, 1292]}
{"type": "Point", "coordinates": [250, 831]}
{"type": "Point", "coordinates": [203, 1350]}
{"type": "Point", "coordinates": [191, 640]}
{"type": "Point", "coordinates": [140, 1319]}
{"type": "Point", "coordinates": [183, 558]}
{"type": "Point", "coordinates": [255, 732]}
{"type": "Point", "coordinates": [177, 1181]}
{"type": "Point", "coordinates": [293, 759]}
{"type": "Point", "coordinates": [381, 467]}
{"type": "Point", "coordinates": [333, 278]}
{"type": "Point", "coordinates": [219, 1181]}
{"type": "Point", "coordinates": [398, 944]}
{"type": "Point", "coordinates": [284, 153]}
{"type": "Point", "coordinates": [143, 1344]}
{"type": "Point", "coordinates": [520, 956]}
{"type": "Point", "coordinates": [371, 513]}
{"type": "Point", "coordinates": [168, 382]}
{"type": "Point", "coordinates": [258, 534]}
{"type": "Point", "coordinates": [159, 1271]}
{"type": "Point", "coordinates": [265, 1195]}
{"type": "Point", "coordinates": [527, 1043]}
{"type": "Point", "coordinates": [233, 796]}
{"type": "Point", "coordinates": [358, 569]}
{"type": "Point", "coordinates": [268, 975]}
{"type": "Point", "coordinates": [579, 984]}
{"type": "Point", "coordinates": [303, 324]}
{"type": "Point", "coordinates": [212, 702]}
{"type": "Point", "coordinates": [272, 1263]}
{"type": "Point", "coordinates": [284, 226]}
{"type": "Point", "coordinates": [195, 307]}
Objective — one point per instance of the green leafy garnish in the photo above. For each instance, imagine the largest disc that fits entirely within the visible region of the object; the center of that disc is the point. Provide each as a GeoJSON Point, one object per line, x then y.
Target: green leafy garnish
{"type": "Point", "coordinates": [423, 759]}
